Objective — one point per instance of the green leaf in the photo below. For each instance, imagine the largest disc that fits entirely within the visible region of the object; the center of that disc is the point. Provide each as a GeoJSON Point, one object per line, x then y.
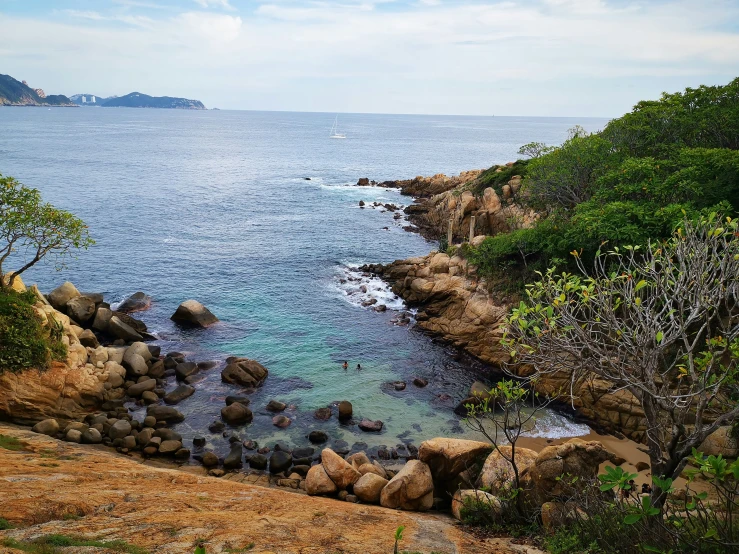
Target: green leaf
{"type": "Point", "coordinates": [660, 336]}
{"type": "Point", "coordinates": [631, 519]}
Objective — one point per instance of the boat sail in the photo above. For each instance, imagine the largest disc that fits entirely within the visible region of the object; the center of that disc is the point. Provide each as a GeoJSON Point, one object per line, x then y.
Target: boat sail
{"type": "Point", "coordinates": [335, 130]}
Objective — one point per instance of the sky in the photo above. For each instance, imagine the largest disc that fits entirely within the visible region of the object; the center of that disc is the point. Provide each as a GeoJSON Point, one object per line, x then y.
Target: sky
{"type": "Point", "coordinates": [468, 57]}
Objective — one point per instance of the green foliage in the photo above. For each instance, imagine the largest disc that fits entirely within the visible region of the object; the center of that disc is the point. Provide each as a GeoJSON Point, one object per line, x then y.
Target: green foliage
{"type": "Point", "coordinates": [702, 117]}
{"type": "Point", "coordinates": [568, 541]}
{"type": "Point", "coordinates": [24, 342]}
{"type": "Point", "coordinates": [10, 443]}
{"type": "Point", "coordinates": [497, 176]}
{"type": "Point", "coordinates": [5, 524]}
{"type": "Point", "coordinates": [625, 185]}
{"type": "Point", "coordinates": [32, 230]}
{"type": "Point", "coordinates": [246, 548]}
{"type": "Point", "coordinates": [398, 538]}
{"type": "Point", "coordinates": [51, 544]}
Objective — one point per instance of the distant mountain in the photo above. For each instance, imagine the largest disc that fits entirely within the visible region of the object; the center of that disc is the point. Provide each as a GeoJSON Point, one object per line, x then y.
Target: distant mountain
{"type": "Point", "coordinates": [138, 100]}
{"type": "Point", "coordinates": [89, 99]}
{"type": "Point", "coordinates": [17, 93]}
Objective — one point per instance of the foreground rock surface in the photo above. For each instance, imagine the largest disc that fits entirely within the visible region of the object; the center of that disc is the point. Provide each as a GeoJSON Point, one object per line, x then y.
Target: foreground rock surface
{"type": "Point", "coordinates": [119, 497]}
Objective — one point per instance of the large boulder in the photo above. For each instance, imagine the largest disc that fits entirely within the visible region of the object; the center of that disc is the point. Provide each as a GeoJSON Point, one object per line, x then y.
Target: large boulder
{"type": "Point", "coordinates": [121, 330]}
{"type": "Point", "coordinates": [317, 482]}
{"type": "Point", "coordinates": [447, 458]}
{"type": "Point", "coordinates": [721, 442]}
{"type": "Point", "coordinates": [135, 364]}
{"type": "Point", "coordinates": [369, 488]}
{"type": "Point", "coordinates": [244, 372]}
{"type": "Point", "coordinates": [165, 413]}
{"type": "Point", "coordinates": [338, 469]}
{"type": "Point", "coordinates": [139, 348]}
{"type": "Point", "coordinates": [478, 393]}
{"type": "Point", "coordinates": [193, 313]}
{"type": "Point", "coordinates": [497, 475]}
{"type": "Point", "coordinates": [81, 309]}
{"type": "Point", "coordinates": [179, 394]}
{"type": "Point", "coordinates": [119, 429]}
{"type": "Point", "coordinates": [137, 302]}
{"type": "Point", "coordinates": [411, 489]}
{"type": "Point", "coordinates": [469, 500]}
{"type": "Point", "coordinates": [234, 458]}
{"type": "Point", "coordinates": [576, 458]}
{"type": "Point", "coordinates": [59, 297]}
{"type": "Point", "coordinates": [47, 427]}
{"type": "Point", "coordinates": [280, 461]}
{"type": "Point", "coordinates": [138, 389]}
{"type": "Point", "coordinates": [102, 319]}
{"type": "Point", "coordinates": [236, 414]}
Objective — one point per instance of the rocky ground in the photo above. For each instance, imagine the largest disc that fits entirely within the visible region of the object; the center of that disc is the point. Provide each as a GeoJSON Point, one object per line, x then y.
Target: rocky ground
{"type": "Point", "coordinates": [49, 486]}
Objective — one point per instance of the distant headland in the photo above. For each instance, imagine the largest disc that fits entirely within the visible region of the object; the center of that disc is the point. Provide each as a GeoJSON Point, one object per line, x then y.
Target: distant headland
{"type": "Point", "coordinates": [19, 93]}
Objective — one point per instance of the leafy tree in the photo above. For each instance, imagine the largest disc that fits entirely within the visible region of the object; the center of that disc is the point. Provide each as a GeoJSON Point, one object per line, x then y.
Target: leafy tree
{"type": "Point", "coordinates": [662, 323]}
{"type": "Point", "coordinates": [535, 149]}
{"type": "Point", "coordinates": [35, 230]}
{"type": "Point", "coordinates": [502, 416]}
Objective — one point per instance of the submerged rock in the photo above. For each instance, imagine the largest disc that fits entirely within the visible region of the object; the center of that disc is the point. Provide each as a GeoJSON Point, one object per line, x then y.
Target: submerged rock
{"type": "Point", "coordinates": [244, 372]}
{"type": "Point", "coordinates": [137, 302]}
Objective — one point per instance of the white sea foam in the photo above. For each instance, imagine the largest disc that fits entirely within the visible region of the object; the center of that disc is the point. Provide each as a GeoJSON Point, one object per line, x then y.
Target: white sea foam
{"type": "Point", "coordinates": [552, 425]}
{"type": "Point", "coordinates": [365, 289]}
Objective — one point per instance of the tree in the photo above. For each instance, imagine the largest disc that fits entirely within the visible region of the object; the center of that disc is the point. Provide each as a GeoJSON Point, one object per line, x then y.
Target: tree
{"type": "Point", "coordinates": [535, 149]}
{"type": "Point", "coordinates": [662, 323]}
{"type": "Point", "coordinates": [34, 230]}
{"type": "Point", "coordinates": [508, 411]}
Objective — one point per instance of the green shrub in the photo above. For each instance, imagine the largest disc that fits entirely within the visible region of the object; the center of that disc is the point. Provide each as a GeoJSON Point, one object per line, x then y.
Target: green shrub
{"type": "Point", "coordinates": [24, 343]}
{"type": "Point", "coordinates": [496, 179]}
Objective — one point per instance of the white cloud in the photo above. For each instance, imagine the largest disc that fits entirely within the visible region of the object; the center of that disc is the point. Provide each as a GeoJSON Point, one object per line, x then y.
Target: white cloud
{"type": "Point", "coordinates": [214, 3]}
{"type": "Point", "coordinates": [546, 57]}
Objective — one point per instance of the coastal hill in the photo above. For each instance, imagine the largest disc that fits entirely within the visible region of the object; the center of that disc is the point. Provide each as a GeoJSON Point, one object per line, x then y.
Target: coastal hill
{"type": "Point", "coordinates": [137, 100]}
{"type": "Point", "coordinates": [17, 93]}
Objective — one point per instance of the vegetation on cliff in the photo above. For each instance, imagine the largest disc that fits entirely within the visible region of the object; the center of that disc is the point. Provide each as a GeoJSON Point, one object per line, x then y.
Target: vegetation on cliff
{"type": "Point", "coordinates": [630, 183]}
{"type": "Point", "coordinates": [16, 93]}
{"type": "Point", "coordinates": [24, 341]}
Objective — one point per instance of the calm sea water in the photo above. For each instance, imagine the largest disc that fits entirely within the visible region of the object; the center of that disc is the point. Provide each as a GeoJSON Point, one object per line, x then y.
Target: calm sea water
{"type": "Point", "coordinates": [215, 206]}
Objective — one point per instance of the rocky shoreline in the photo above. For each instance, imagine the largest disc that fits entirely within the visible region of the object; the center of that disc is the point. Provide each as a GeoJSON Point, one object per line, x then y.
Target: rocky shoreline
{"type": "Point", "coordinates": [454, 303]}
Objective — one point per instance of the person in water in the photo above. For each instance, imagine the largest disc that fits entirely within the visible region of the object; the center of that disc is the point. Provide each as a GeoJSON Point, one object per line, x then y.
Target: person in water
{"type": "Point", "coordinates": [359, 367]}
{"type": "Point", "coordinates": [345, 365]}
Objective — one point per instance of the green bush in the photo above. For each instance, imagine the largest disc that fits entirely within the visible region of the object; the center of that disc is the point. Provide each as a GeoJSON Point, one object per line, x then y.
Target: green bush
{"type": "Point", "coordinates": [496, 179]}
{"type": "Point", "coordinates": [630, 183]}
{"type": "Point", "coordinates": [24, 342]}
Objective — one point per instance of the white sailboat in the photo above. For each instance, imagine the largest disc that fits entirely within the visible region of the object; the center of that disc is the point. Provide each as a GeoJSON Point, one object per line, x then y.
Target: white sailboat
{"type": "Point", "coordinates": [335, 130]}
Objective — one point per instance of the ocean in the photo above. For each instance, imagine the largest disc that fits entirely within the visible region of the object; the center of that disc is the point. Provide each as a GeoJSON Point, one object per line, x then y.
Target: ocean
{"type": "Point", "coordinates": [256, 215]}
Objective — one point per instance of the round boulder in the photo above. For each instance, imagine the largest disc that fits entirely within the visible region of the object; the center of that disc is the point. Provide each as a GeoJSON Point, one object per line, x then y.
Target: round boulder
{"type": "Point", "coordinates": [62, 294]}
{"type": "Point", "coordinates": [137, 302]}
{"type": "Point", "coordinates": [46, 427]}
{"type": "Point", "coordinates": [465, 501]}
{"type": "Point", "coordinates": [345, 410]}
{"type": "Point", "coordinates": [193, 313]}
{"type": "Point", "coordinates": [236, 414]}
{"type": "Point", "coordinates": [280, 461]}
{"type": "Point", "coordinates": [411, 489]}
{"type": "Point", "coordinates": [369, 488]}
{"type": "Point", "coordinates": [341, 472]}
{"type": "Point", "coordinates": [447, 458]}
{"type": "Point", "coordinates": [317, 482]}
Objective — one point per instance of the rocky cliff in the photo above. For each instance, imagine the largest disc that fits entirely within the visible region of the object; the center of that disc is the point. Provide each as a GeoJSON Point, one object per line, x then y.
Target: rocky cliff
{"type": "Point", "coordinates": [66, 390]}
{"type": "Point", "coordinates": [16, 93]}
{"type": "Point", "coordinates": [441, 200]}
{"type": "Point", "coordinates": [458, 306]}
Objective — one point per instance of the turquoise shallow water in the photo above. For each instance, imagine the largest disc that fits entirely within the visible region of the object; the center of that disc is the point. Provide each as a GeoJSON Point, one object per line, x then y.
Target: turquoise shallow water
{"type": "Point", "coordinates": [215, 206]}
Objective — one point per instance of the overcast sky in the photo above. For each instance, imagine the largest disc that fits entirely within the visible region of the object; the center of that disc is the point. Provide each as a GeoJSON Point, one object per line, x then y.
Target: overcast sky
{"type": "Point", "coordinates": [524, 57]}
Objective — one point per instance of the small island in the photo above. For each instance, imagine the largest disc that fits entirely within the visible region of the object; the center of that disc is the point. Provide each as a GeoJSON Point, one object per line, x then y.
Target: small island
{"type": "Point", "coordinates": [137, 100]}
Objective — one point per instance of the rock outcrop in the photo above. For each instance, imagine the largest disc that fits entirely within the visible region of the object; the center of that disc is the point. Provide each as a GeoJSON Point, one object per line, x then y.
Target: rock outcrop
{"type": "Point", "coordinates": [192, 313]}
{"type": "Point", "coordinates": [411, 489]}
